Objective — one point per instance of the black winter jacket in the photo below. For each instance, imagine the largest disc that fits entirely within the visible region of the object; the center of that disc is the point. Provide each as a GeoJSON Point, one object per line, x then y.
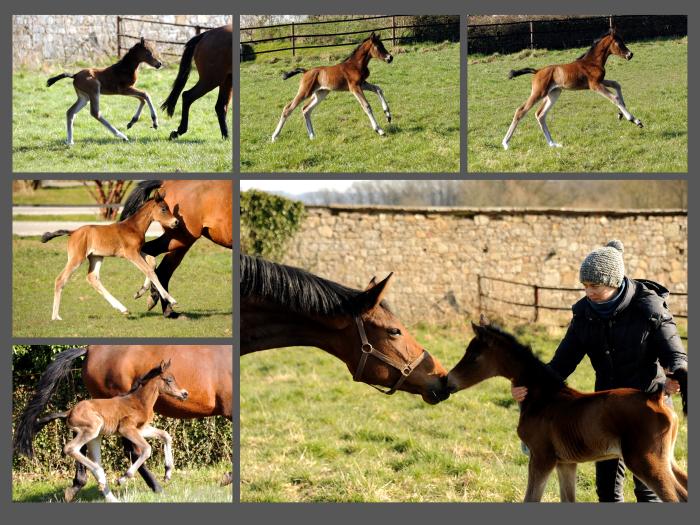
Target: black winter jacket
{"type": "Point", "coordinates": [629, 349]}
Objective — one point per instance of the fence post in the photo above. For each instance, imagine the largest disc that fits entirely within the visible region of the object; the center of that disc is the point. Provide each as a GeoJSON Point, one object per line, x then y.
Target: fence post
{"type": "Point", "coordinates": [293, 41]}
{"type": "Point", "coordinates": [119, 36]}
{"type": "Point", "coordinates": [611, 21]}
{"type": "Point", "coordinates": [393, 30]}
{"type": "Point", "coordinates": [478, 288]}
{"type": "Point", "coordinates": [532, 36]}
{"type": "Point", "coordinates": [537, 302]}
{"type": "Point", "coordinates": [197, 29]}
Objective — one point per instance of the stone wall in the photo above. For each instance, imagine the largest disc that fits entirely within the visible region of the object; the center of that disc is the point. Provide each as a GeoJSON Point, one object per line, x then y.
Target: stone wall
{"type": "Point", "coordinates": [47, 41]}
{"type": "Point", "coordinates": [437, 254]}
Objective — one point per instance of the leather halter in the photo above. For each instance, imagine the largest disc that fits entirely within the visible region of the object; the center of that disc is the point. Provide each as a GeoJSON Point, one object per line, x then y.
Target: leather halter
{"type": "Point", "coordinates": [368, 349]}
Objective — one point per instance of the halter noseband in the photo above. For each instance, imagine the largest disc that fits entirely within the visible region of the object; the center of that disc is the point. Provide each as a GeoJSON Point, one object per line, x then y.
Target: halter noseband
{"type": "Point", "coordinates": [367, 349]}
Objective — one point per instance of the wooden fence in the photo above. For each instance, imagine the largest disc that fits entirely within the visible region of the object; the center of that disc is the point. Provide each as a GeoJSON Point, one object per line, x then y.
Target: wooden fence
{"type": "Point", "coordinates": [295, 36]}
{"type": "Point", "coordinates": [564, 33]}
{"type": "Point", "coordinates": [125, 40]}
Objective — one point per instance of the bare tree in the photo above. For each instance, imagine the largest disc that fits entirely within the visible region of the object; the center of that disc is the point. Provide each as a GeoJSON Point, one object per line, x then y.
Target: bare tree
{"type": "Point", "coordinates": [107, 193]}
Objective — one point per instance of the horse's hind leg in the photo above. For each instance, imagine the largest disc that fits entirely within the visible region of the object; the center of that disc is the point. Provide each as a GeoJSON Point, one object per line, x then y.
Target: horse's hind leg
{"type": "Point", "coordinates": [79, 480]}
{"type": "Point", "coordinates": [541, 115]}
{"type": "Point", "coordinates": [73, 263]}
{"type": "Point", "coordinates": [200, 89]}
{"type": "Point", "coordinates": [138, 261]}
{"type": "Point", "coordinates": [567, 481]}
{"type": "Point", "coordinates": [300, 96]}
{"type": "Point", "coordinates": [222, 102]}
{"type": "Point", "coordinates": [360, 96]}
{"type": "Point", "coordinates": [147, 282]}
{"type": "Point", "coordinates": [165, 271]}
{"type": "Point", "coordinates": [133, 435]}
{"type": "Point", "coordinates": [146, 474]}
{"type": "Point", "coordinates": [538, 473]}
{"type": "Point", "coordinates": [89, 437]}
{"type": "Point", "coordinates": [93, 277]}
{"type": "Point", "coordinates": [95, 112]}
{"type": "Point", "coordinates": [376, 89]}
{"type": "Point", "coordinates": [316, 99]}
{"type": "Point", "coordinates": [655, 471]}
{"type": "Point", "coordinates": [70, 115]}
{"type": "Point", "coordinates": [535, 96]}
{"type": "Point", "coordinates": [616, 99]}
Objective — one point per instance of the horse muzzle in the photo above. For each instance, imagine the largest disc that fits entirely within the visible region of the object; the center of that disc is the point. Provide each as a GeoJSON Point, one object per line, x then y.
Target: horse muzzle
{"type": "Point", "coordinates": [184, 395]}
{"type": "Point", "coordinates": [389, 59]}
{"type": "Point", "coordinates": [158, 65]}
{"type": "Point", "coordinates": [629, 55]}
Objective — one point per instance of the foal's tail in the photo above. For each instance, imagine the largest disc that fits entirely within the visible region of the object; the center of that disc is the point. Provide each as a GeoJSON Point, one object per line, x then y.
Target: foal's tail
{"type": "Point", "coordinates": [293, 72]}
{"type": "Point", "coordinates": [182, 74]}
{"type": "Point", "coordinates": [55, 79]}
{"type": "Point", "coordinates": [30, 423]}
{"type": "Point", "coordinates": [50, 235]}
{"type": "Point", "coordinates": [138, 197]}
{"type": "Point", "coordinates": [517, 72]}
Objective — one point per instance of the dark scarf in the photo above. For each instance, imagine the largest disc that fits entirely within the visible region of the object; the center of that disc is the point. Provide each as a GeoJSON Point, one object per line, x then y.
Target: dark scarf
{"type": "Point", "coordinates": [607, 309]}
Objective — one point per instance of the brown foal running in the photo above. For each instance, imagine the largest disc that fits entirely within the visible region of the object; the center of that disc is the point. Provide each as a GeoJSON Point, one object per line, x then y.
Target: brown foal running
{"type": "Point", "coordinates": [586, 72]}
{"type": "Point", "coordinates": [117, 79]}
{"type": "Point", "coordinates": [350, 75]}
{"type": "Point", "coordinates": [562, 426]}
{"type": "Point", "coordinates": [122, 239]}
{"type": "Point", "coordinates": [129, 415]}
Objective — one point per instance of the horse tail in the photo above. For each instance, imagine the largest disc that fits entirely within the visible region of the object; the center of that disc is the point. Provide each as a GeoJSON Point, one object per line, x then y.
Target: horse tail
{"type": "Point", "coordinates": [138, 197]}
{"type": "Point", "coordinates": [50, 235]}
{"type": "Point", "coordinates": [681, 375]}
{"type": "Point", "coordinates": [517, 72]}
{"type": "Point", "coordinates": [182, 75]}
{"type": "Point", "coordinates": [30, 423]}
{"type": "Point", "coordinates": [293, 72]}
{"type": "Point", "coordinates": [55, 79]}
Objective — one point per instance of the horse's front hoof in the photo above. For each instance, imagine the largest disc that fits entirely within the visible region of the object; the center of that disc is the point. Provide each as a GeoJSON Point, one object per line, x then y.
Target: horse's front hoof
{"type": "Point", "coordinates": [69, 493]}
{"type": "Point", "coordinates": [554, 145]}
{"type": "Point", "coordinates": [125, 313]}
{"type": "Point", "coordinates": [380, 132]}
{"type": "Point", "coordinates": [505, 145]}
{"type": "Point", "coordinates": [56, 318]}
{"type": "Point", "coordinates": [155, 125]}
{"type": "Point", "coordinates": [128, 126]}
{"type": "Point", "coordinates": [639, 124]}
{"type": "Point", "coordinates": [173, 135]}
{"type": "Point", "coordinates": [68, 143]}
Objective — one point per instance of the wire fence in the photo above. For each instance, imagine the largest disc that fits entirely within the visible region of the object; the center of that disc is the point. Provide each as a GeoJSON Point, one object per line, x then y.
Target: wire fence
{"type": "Point", "coordinates": [528, 302]}
{"type": "Point", "coordinates": [172, 47]}
{"type": "Point", "coordinates": [564, 33]}
{"type": "Point", "coordinates": [294, 37]}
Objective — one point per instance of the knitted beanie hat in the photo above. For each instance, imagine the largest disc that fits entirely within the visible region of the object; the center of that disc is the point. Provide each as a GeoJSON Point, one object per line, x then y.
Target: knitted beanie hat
{"type": "Point", "coordinates": [604, 265]}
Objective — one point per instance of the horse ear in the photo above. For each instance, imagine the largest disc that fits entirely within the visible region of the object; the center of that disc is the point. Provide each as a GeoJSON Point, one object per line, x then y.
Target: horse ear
{"type": "Point", "coordinates": [373, 36]}
{"type": "Point", "coordinates": [483, 320]}
{"type": "Point", "coordinates": [164, 365]}
{"type": "Point", "coordinates": [372, 297]}
{"type": "Point", "coordinates": [613, 30]}
{"type": "Point", "coordinates": [372, 283]}
{"type": "Point", "coordinates": [159, 196]}
{"type": "Point", "coordinates": [143, 41]}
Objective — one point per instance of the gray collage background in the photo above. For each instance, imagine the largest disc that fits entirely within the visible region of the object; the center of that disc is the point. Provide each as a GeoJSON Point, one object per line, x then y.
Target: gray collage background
{"type": "Point", "coordinates": [424, 513]}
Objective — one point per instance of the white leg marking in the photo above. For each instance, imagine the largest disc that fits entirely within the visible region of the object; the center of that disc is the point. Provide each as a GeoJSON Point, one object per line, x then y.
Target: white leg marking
{"type": "Point", "coordinates": [549, 101]}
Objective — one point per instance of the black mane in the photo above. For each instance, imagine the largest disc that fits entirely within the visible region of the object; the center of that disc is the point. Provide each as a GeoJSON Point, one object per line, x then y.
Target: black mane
{"type": "Point", "coordinates": [535, 371]}
{"type": "Point", "coordinates": [300, 291]}
{"type": "Point", "coordinates": [595, 43]}
{"type": "Point", "coordinates": [145, 378]}
{"type": "Point", "coordinates": [355, 50]}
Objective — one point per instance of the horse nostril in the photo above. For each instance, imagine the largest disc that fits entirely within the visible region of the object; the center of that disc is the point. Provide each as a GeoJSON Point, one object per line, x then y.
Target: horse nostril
{"type": "Point", "coordinates": [185, 394]}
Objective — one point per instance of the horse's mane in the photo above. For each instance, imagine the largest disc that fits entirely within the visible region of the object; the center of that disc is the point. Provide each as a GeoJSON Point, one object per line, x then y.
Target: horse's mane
{"type": "Point", "coordinates": [138, 197]}
{"type": "Point", "coordinates": [145, 378]}
{"type": "Point", "coordinates": [534, 369]}
{"type": "Point", "coordinates": [594, 44]}
{"type": "Point", "coordinates": [300, 291]}
{"type": "Point", "coordinates": [355, 50]}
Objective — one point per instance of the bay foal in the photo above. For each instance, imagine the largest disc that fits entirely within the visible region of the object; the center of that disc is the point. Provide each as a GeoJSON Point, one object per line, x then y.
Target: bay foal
{"type": "Point", "coordinates": [117, 79]}
{"type": "Point", "coordinates": [350, 75]}
{"type": "Point", "coordinates": [122, 239]}
{"type": "Point", "coordinates": [129, 415]}
{"type": "Point", "coordinates": [562, 426]}
{"type": "Point", "coordinates": [586, 72]}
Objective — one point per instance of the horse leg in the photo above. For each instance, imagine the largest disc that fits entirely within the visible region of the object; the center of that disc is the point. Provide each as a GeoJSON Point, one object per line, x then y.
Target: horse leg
{"type": "Point", "coordinates": [360, 96]}
{"type": "Point", "coordinates": [567, 481]}
{"type": "Point", "coordinates": [91, 438]}
{"type": "Point", "coordinates": [535, 97]}
{"type": "Point", "coordinates": [151, 431]}
{"type": "Point", "coordinates": [376, 89]}
{"type": "Point", "coordinates": [143, 98]}
{"type": "Point", "coordinates": [539, 470]}
{"type": "Point", "coordinates": [615, 99]}
{"type": "Point", "coordinates": [93, 277]}
{"type": "Point", "coordinates": [288, 111]}
{"type": "Point", "coordinates": [70, 115]}
{"type": "Point", "coordinates": [541, 115]}
{"type": "Point", "coordinates": [188, 97]}
{"type": "Point", "coordinates": [138, 261]}
{"type": "Point", "coordinates": [133, 435]}
{"type": "Point", "coordinates": [95, 112]}
{"type": "Point", "coordinates": [165, 271]}
{"type": "Point", "coordinates": [79, 480]}
{"type": "Point", "coordinates": [316, 99]}
{"type": "Point", "coordinates": [74, 261]}
{"type": "Point", "coordinates": [221, 107]}
{"type": "Point", "coordinates": [146, 474]}
{"type": "Point", "coordinates": [147, 282]}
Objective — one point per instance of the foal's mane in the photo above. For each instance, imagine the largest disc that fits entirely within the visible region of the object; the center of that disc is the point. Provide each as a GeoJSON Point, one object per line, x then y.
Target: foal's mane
{"type": "Point", "coordinates": [300, 291]}
{"type": "Point", "coordinates": [534, 369]}
{"type": "Point", "coordinates": [594, 44]}
{"type": "Point", "coordinates": [145, 378]}
{"type": "Point", "coordinates": [356, 49]}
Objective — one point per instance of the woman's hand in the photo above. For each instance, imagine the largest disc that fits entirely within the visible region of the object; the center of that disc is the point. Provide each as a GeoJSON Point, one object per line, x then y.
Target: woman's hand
{"type": "Point", "coordinates": [519, 392]}
{"type": "Point", "coordinates": [670, 387]}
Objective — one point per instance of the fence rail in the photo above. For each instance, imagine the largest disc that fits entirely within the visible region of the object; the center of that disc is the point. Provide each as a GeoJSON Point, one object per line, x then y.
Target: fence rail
{"type": "Point", "coordinates": [121, 35]}
{"type": "Point", "coordinates": [449, 31]}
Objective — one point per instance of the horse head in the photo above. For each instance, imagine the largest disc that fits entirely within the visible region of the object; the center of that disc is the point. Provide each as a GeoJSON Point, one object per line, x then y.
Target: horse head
{"type": "Point", "coordinates": [377, 49]}
{"type": "Point", "coordinates": [161, 212]}
{"type": "Point", "coordinates": [146, 52]}
{"type": "Point", "coordinates": [168, 386]}
{"type": "Point", "coordinates": [617, 45]}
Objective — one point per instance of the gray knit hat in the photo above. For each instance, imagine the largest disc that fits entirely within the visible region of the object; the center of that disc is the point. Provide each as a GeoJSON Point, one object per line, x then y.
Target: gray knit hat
{"type": "Point", "coordinates": [604, 265]}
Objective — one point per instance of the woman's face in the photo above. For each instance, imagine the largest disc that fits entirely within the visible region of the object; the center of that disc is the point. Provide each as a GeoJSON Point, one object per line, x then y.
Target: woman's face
{"type": "Point", "coordinates": [599, 293]}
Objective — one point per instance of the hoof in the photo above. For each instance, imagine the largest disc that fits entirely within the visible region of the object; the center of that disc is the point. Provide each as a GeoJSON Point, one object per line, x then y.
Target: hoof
{"type": "Point", "coordinates": [139, 294]}
{"type": "Point", "coordinates": [505, 145]}
{"type": "Point", "coordinates": [109, 498]}
{"type": "Point", "coordinates": [388, 117]}
{"type": "Point", "coordinates": [69, 493]}
{"type": "Point", "coordinates": [68, 143]}
{"type": "Point", "coordinates": [151, 302]}
{"type": "Point", "coordinates": [57, 318]}
{"type": "Point", "coordinates": [554, 145]}
{"type": "Point", "coordinates": [226, 479]}
{"type": "Point", "coordinates": [125, 313]}
{"type": "Point", "coordinates": [128, 126]}
{"type": "Point", "coordinates": [155, 125]}
{"type": "Point", "coordinates": [639, 124]}
{"type": "Point", "coordinates": [619, 116]}
{"type": "Point", "coordinates": [312, 137]}
{"type": "Point", "coordinates": [380, 132]}
{"type": "Point", "coordinates": [173, 135]}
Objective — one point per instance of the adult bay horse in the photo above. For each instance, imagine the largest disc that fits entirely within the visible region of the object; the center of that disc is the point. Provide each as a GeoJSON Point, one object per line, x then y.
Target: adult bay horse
{"type": "Point", "coordinates": [117, 79]}
{"type": "Point", "coordinates": [213, 55]}
{"type": "Point", "coordinates": [586, 72]}
{"type": "Point", "coordinates": [205, 371]}
{"type": "Point", "coordinates": [350, 75]}
{"type": "Point", "coordinates": [204, 209]}
{"type": "Point", "coordinates": [562, 426]}
{"type": "Point", "coordinates": [283, 306]}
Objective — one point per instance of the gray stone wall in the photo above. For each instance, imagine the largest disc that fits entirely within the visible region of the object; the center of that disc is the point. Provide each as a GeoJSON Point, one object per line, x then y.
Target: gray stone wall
{"type": "Point", "coordinates": [46, 41]}
{"type": "Point", "coordinates": [437, 255]}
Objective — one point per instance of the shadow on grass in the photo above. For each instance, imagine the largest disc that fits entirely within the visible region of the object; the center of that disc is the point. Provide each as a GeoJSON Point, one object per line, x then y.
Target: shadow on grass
{"type": "Point", "coordinates": [182, 316]}
{"type": "Point", "coordinates": [89, 494]}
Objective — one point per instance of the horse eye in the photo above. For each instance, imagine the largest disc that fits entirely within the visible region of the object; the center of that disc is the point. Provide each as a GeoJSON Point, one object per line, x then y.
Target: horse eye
{"type": "Point", "coordinates": [394, 331]}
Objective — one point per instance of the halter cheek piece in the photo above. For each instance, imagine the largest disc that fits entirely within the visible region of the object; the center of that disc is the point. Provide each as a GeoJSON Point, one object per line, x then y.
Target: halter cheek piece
{"type": "Point", "coordinates": [367, 349]}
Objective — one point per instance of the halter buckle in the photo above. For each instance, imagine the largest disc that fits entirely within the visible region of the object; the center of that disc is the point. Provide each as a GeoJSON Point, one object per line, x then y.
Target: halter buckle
{"type": "Point", "coordinates": [367, 348]}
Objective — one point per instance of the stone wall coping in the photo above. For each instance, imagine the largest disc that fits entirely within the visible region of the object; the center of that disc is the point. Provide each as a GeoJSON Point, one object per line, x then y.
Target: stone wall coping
{"type": "Point", "coordinates": [495, 211]}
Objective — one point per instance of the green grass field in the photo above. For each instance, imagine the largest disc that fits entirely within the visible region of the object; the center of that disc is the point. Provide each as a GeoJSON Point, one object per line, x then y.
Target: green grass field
{"type": "Point", "coordinates": [202, 286]}
{"type": "Point", "coordinates": [39, 129]}
{"type": "Point", "coordinates": [309, 433]}
{"type": "Point", "coordinates": [56, 195]}
{"type": "Point", "coordinates": [187, 485]}
{"type": "Point", "coordinates": [655, 88]}
{"type": "Point", "coordinates": [421, 87]}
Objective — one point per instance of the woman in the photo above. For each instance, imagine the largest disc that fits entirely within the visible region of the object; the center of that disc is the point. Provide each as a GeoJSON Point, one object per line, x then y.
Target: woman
{"type": "Point", "coordinates": [625, 328]}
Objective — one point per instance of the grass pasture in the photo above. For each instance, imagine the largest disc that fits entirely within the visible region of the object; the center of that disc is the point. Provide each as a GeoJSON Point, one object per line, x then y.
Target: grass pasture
{"type": "Point", "coordinates": [309, 433]}
{"type": "Point", "coordinates": [655, 88]}
{"type": "Point", "coordinates": [421, 87]}
{"type": "Point", "coordinates": [187, 485]}
{"type": "Point", "coordinates": [202, 286]}
{"type": "Point", "coordinates": [39, 129]}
